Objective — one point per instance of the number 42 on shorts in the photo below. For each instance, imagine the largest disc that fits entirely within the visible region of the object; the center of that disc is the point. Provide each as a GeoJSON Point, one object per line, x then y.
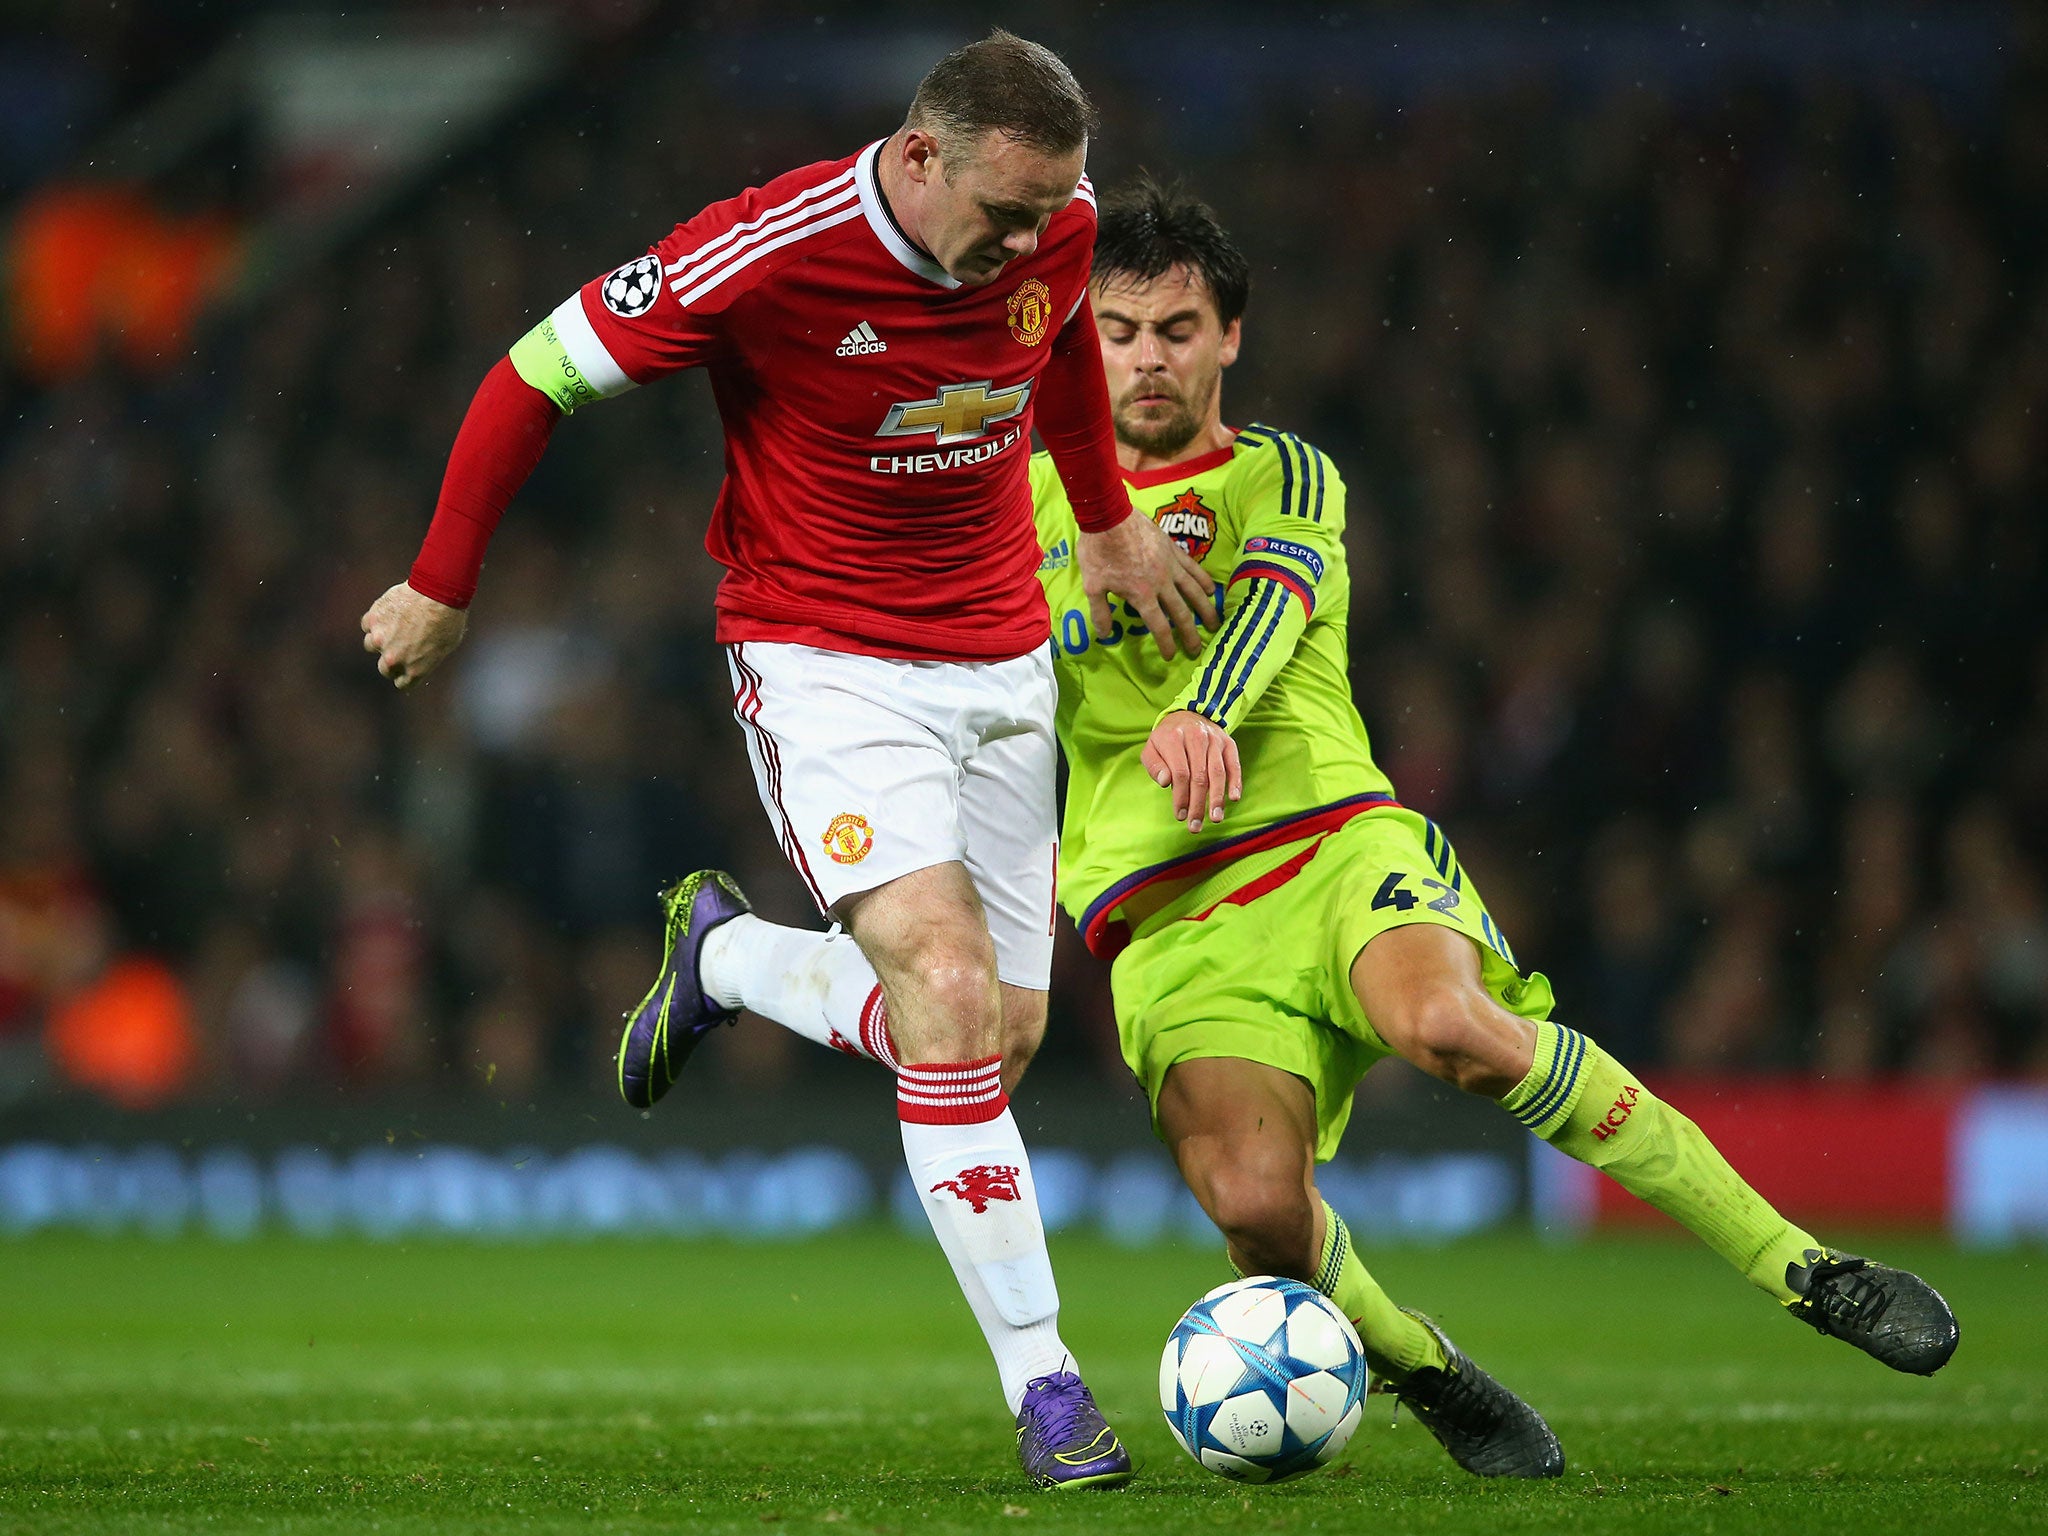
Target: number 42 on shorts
{"type": "Point", "coordinates": [1392, 893]}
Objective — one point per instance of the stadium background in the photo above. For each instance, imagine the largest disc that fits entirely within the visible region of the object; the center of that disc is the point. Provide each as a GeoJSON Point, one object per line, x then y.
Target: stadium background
{"type": "Point", "coordinates": [1687, 365]}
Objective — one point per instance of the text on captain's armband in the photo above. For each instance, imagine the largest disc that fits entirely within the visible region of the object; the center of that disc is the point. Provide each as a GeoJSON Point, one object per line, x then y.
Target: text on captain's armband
{"type": "Point", "coordinates": [570, 389]}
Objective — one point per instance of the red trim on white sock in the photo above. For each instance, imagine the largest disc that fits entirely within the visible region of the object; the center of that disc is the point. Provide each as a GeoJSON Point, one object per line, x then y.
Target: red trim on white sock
{"type": "Point", "coordinates": [951, 1092]}
{"type": "Point", "coordinates": [874, 1030]}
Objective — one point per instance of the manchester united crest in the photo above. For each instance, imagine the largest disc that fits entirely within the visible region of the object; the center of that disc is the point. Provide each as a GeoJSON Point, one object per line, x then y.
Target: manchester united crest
{"type": "Point", "coordinates": [1188, 523]}
{"type": "Point", "coordinates": [1030, 311]}
{"type": "Point", "coordinates": [848, 838]}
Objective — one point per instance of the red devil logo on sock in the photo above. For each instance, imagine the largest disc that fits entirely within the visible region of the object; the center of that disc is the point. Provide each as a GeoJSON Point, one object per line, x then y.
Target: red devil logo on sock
{"type": "Point", "coordinates": [978, 1186]}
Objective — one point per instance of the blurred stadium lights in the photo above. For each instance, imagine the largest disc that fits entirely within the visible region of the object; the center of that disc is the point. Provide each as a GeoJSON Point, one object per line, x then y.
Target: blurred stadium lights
{"type": "Point", "coordinates": [348, 107]}
{"type": "Point", "coordinates": [1984, 1166]}
{"type": "Point", "coordinates": [358, 95]}
{"type": "Point", "coordinates": [343, 112]}
{"type": "Point", "coordinates": [385, 1193]}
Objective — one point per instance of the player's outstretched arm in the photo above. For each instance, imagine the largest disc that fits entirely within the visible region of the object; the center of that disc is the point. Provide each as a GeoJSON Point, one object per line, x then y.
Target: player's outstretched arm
{"type": "Point", "coordinates": [410, 634]}
{"type": "Point", "coordinates": [1197, 760]}
{"type": "Point", "coordinates": [570, 359]}
{"type": "Point", "coordinates": [413, 626]}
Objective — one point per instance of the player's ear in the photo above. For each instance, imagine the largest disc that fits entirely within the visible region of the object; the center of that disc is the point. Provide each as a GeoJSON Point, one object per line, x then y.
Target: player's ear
{"type": "Point", "coordinates": [1233, 335]}
{"type": "Point", "coordinates": [920, 155]}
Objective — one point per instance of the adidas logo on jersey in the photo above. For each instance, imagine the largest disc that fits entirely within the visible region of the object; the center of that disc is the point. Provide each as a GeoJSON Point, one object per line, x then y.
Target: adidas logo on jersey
{"type": "Point", "coordinates": [862, 340]}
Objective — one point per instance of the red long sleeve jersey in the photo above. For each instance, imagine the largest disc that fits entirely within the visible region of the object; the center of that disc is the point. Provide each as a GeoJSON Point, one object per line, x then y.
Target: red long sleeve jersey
{"type": "Point", "coordinates": [877, 412]}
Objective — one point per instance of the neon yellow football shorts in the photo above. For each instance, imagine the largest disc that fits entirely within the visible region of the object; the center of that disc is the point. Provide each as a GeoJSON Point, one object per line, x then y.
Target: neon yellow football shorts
{"type": "Point", "coordinates": [1269, 979]}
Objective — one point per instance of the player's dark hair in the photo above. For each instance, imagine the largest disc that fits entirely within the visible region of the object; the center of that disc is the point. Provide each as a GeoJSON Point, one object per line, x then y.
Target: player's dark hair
{"type": "Point", "coordinates": [1147, 228]}
{"type": "Point", "coordinates": [1008, 85]}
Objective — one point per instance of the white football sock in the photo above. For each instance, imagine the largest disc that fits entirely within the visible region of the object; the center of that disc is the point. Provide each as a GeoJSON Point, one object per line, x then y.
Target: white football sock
{"type": "Point", "coordinates": [818, 984]}
{"type": "Point", "coordinates": [968, 1162]}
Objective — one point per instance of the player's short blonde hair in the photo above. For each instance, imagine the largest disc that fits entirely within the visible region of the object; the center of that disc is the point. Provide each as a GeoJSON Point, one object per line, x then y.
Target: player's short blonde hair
{"type": "Point", "coordinates": [1003, 84]}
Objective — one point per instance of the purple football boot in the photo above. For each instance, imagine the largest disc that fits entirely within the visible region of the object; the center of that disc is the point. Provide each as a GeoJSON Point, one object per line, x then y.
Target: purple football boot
{"type": "Point", "coordinates": [1063, 1440]}
{"type": "Point", "coordinates": [675, 1014]}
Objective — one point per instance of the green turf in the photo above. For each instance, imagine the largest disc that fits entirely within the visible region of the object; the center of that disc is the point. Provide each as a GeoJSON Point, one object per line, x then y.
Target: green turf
{"type": "Point", "coordinates": [719, 1387]}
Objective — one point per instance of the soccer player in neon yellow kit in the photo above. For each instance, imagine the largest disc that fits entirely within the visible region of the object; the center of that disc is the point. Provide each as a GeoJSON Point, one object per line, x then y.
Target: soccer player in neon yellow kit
{"type": "Point", "coordinates": [1263, 962]}
{"type": "Point", "coordinates": [1279, 921]}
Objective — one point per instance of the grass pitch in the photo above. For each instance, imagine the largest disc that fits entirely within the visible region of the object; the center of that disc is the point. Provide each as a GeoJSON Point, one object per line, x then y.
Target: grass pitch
{"type": "Point", "coordinates": [317, 1387]}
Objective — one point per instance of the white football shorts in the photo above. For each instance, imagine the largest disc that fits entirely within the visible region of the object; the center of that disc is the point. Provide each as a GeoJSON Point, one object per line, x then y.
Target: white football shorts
{"type": "Point", "coordinates": [872, 768]}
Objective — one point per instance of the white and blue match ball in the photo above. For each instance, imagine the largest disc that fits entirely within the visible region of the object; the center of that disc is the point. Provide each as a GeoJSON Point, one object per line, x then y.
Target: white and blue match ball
{"type": "Point", "coordinates": [1263, 1379]}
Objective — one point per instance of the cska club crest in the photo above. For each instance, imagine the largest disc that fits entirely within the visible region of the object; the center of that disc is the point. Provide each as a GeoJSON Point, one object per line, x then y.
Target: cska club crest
{"type": "Point", "coordinates": [1188, 523]}
{"type": "Point", "coordinates": [1030, 311]}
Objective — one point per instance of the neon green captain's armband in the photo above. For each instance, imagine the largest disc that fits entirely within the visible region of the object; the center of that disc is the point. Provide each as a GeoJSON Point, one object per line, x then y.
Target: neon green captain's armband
{"type": "Point", "coordinates": [542, 360]}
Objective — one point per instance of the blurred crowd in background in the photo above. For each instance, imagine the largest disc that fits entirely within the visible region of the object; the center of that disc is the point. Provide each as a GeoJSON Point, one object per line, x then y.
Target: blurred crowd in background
{"type": "Point", "coordinates": [1694, 444]}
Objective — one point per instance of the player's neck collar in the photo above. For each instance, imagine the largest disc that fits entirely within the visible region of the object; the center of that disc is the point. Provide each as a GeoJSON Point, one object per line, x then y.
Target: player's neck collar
{"type": "Point", "coordinates": [1183, 469]}
{"type": "Point", "coordinates": [882, 220]}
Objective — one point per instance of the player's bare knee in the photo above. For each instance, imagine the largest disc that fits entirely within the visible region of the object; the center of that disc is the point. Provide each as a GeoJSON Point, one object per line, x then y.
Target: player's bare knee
{"type": "Point", "coordinates": [956, 987]}
{"type": "Point", "coordinates": [1269, 1223]}
{"type": "Point", "coordinates": [1262, 1206]}
{"type": "Point", "coordinates": [944, 961]}
{"type": "Point", "coordinates": [1456, 1032]}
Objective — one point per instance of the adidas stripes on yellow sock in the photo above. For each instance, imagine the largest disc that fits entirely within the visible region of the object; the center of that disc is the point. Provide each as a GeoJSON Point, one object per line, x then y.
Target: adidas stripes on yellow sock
{"type": "Point", "coordinates": [1583, 1102]}
{"type": "Point", "coordinates": [1395, 1343]}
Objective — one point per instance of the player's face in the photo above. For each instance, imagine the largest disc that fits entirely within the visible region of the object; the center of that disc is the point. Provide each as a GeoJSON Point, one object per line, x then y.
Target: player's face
{"type": "Point", "coordinates": [1165, 350]}
{"type": "Point", "coordinates": [983, 208]}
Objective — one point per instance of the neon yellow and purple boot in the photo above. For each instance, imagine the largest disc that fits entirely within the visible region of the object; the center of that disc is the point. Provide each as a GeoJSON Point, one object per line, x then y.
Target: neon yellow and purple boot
{"type": "Point", "coordinates": [1063, 1440]}
{"type": "Point", "coordinates": [675, 1014]}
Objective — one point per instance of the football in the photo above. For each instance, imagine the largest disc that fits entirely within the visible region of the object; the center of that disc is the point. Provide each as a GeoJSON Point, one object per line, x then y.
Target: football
{"type": "Point", "coordinates": [1262, 1379]}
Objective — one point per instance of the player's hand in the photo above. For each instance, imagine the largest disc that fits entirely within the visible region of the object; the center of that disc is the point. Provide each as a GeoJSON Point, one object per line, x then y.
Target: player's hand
{"type": "Point", "coordinates": [1198, 761]}
{"type": "Point", "coordinates": [410, 634]}
{"type": "Point", "coordinates": [1141, 565]}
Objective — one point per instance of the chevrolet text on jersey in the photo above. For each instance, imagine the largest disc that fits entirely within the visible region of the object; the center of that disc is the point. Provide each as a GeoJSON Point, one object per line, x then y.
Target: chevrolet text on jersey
{"type": "Point", "coordinates": [952, 458]}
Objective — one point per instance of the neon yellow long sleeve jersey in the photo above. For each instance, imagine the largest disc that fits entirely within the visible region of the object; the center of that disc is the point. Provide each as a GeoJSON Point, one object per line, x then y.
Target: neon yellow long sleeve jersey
{"type": "Point", "coordinates": [1265, 517]}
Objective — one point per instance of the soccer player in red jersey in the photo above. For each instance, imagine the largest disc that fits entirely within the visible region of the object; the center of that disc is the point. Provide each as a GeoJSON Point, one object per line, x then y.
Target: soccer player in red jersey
{"type": "Point", "coordinates": [882, 334]}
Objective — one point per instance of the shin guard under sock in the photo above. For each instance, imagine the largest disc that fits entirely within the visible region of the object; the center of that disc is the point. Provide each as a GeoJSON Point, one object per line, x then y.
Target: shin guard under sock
{"type": "Point", "coordinates": [967, 1159]}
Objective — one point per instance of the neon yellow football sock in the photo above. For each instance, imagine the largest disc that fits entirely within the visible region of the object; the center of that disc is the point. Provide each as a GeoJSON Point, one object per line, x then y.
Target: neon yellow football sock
{"type": "Point", "coordinates": [1584, 1102]}
{"type": "Point", "coordinates": [1395, 1343]}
